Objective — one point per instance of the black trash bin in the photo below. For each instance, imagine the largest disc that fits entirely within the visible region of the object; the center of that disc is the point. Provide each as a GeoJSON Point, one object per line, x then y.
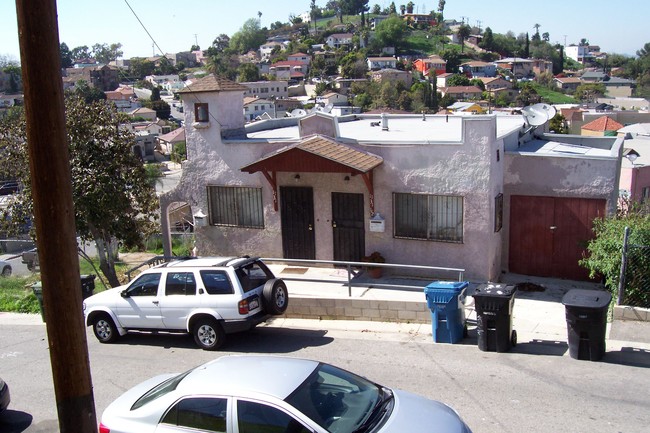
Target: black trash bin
{"type": "Point", "coordinates": [493, 303]}
{"type": "Point", "coordinates": [87, 285]}
{"type": "Point", "coordinates": [586, 319]}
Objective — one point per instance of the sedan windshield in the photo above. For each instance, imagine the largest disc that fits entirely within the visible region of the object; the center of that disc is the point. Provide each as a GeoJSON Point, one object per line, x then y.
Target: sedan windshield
{"type": "Point", "coordinates": [337, 400]}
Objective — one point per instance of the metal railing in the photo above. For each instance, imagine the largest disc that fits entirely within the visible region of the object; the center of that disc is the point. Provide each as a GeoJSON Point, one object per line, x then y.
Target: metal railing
{"type": "Point", "coordinates": [354, 269]}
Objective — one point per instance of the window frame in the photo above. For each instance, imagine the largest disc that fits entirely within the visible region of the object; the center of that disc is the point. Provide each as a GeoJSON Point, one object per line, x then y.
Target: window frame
{"type": "Point", "coordinates": [198, 117]}
{"type": "Point", "coordinates": [427, 231]}
{"type": "Point", "coordinates": [232, 209]}
{"type": "Point", "coordinates": [498, 212]}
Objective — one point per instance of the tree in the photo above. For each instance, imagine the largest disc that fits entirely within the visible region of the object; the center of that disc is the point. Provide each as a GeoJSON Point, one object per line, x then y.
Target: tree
{"type": "Point", "coordinates": [409, 7]}
{"type": "Point", "coordinates": [247, 72]}
{"type": "Point", "coordinates": [546, 37]}
{"type": "Point", "coordinates": [195, 48]}
{"type": "Point", "coordinates": [604, 250]}
{"type": "Point", "coordinates": [113, 200]}
{"type": "Point", "coordinates": [458, 80]}
{"type": "Point", "coordinates": [558, 124]}
{"type": "Point", "coordinates": [402, 9]}
{"type": "Point", "coordinates": [488, 39]}
{"type": "Point", "coordinates": [155, 94]}
{"type": "Point", "coordinates": [589, 92]}
{"type": "Point", "coordinates": [527, 95]}
{"type": "Point", "coordinates": [249, 37]}
{"type": "Point", "coordinates": [140, 68]}
{"type": "Point", "coordinates": [376, 9]}
{"type": "Point", "coordinates": [453, 60]}
{"type": "Point", "coordinates": [79, 53]}
{"type": "Point", "coordinates": [87, 92]}
{"type": "Point", "coordinates": [391, 32]}
{"type": "Point", "coordinates": [66, 56]}
{"type": "Point", "coordinates": [464, 32]}
{"type": "Point", "coordinates": [527, 47]}
{"type": "Point", "coordinates": [536, 37]}
{"type": "Point", "coordinates": [391, 9]}
{"type": "Point", "coordinates": [105, 54]}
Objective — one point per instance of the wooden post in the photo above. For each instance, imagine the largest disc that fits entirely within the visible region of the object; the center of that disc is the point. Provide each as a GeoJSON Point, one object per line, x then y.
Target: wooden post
{"type": "Point", "coordinates": [54, 214]}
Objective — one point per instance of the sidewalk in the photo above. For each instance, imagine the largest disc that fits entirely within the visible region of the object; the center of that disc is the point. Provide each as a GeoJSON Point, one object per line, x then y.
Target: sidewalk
{"type": "Point", "coordinates": [538, 316]}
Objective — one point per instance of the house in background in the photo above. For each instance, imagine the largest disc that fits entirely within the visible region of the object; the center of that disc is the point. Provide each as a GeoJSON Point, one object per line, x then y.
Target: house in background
{"type": "Point", "coordinates": [470, 192]}
{"type": "Point", "coordinates": [601, 127]}
{"type": "Point", "coordinates": [144, 113]}
{"type": "Point", "coordinates": [519, 67]}
{"type": "Point", "coordinates": [462, 92]}
{"type": "Point", "coordinates": [332, 98]}
{"type": "Point", "coordinates": [476, 69]}
{"type": "Point", "coordinates": [435, 63]}
{"type": "Point", "coordinates": [375, 63]}
{"type": "Point", "coordinates": [466, 108]}
{"type": "Point", "coordinates": [166, 142]}
{"type": "Point", "coordinates": [392, 75]}
{"type": "Point", "coordinates": [441, 79]}
{"type": "Point", "coordinates": [569, 84]}
{"type": "Point", "coordinates": [255, 108]}
{"type": "Point", "coordinates": [635, 166]}
{"type": "Point", "coordinates": [267, 89]}
{"type": "Point", "coordinates": [339, 40]}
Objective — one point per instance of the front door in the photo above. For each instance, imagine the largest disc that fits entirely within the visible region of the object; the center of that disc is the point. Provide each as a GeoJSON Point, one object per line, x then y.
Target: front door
{"type": "Point", "coordinates": [297, 220]}
{"type": "Point", "coordinates": [348, 226]}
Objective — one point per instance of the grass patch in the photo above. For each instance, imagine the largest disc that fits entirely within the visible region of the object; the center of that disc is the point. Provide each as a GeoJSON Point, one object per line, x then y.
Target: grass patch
{"type": "Point", "coordinates": [17, 296]}
{"type": "Point", "coordinates": [553, 97]}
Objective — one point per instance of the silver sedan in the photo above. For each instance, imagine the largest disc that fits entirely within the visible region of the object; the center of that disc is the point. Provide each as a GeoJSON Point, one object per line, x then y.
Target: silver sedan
{"type": "Point", "coordinates": [246, 394]}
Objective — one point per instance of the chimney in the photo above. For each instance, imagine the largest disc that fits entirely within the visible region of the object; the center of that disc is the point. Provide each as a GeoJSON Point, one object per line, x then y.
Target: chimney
{"type": "Point", "coordinates": [384, 122]}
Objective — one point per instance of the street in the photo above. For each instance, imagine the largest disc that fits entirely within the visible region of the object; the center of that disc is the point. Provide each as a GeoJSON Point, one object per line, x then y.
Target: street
{"type": "Point", "coordinates": [536, 387]}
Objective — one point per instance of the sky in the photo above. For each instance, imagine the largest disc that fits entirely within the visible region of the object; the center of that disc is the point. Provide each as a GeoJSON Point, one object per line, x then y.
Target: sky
{"type": "Point", "coordinates": [617, 27]}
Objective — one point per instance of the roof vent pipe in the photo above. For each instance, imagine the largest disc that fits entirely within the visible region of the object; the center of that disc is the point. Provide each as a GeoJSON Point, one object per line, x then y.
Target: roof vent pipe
{"type": "Point", "coordinates": [384, 122]}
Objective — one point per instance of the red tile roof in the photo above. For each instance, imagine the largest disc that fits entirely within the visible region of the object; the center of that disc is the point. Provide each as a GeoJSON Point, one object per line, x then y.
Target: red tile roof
{"type": "Point", "coordinates": [213, 83]}
{"type": "Point", "coordinates": [603, 123]}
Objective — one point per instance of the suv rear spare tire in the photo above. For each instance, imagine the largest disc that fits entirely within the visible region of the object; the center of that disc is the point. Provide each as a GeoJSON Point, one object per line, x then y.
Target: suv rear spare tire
{"type": "Point", "coordinates": [276, 296]}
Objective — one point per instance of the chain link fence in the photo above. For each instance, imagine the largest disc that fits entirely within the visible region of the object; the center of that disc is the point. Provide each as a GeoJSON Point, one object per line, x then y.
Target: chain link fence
{"type": "Point", "coordinates": [635, 276]}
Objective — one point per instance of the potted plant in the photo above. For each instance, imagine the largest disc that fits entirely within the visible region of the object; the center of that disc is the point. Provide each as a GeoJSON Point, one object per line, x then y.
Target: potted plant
{"type": "Point", "coordinates": [375, 257]}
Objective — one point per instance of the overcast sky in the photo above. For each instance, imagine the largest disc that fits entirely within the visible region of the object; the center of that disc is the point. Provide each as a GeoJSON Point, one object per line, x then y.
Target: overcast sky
{"type": "Point", "coordinates": [617, 27]}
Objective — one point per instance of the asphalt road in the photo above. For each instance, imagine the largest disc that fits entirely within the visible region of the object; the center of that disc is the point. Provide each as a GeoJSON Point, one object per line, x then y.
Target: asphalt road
{"type": "Point", "coordinates": [538, 388]}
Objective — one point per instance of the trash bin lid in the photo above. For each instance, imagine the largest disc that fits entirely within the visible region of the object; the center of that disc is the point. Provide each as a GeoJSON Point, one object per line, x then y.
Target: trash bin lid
{"type": "Point", "coordinates": [448, 285]}
{"type": "Point", "coordinates": [497, 290]}
{"type": "Point", "coordinates": [587, 298]}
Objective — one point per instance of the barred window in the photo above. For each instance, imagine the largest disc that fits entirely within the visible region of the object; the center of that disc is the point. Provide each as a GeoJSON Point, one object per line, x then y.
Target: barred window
{"type": "Point", "coordinates": [429, 217]}
{"type": "Point", "coordinates": [236, 206]}
{"type": "Point", "coordinates": [498, 213]}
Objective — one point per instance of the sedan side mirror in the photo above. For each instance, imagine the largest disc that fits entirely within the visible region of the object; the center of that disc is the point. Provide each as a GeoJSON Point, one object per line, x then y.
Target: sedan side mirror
{"type": "Point", "coordinates": [124, 294]}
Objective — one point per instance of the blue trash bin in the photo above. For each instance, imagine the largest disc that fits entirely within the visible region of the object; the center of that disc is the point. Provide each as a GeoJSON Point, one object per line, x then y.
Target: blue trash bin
{"type": "Point", "coordinates": [446, 300]}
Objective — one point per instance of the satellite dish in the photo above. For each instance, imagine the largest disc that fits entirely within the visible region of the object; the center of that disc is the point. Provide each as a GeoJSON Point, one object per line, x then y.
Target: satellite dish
{"type": "Point", "coordinates": [538, 114]}
{"type": "Point", "coordinates": [328, 108]}
{"type": "Point", "coordinates": [298, 112]}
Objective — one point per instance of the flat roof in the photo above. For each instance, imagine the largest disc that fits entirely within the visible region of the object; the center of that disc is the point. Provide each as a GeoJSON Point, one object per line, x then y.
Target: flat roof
{"type": "Point", "coordinates": [402, 129]}
{"type": "Point", "coordinates": [556, 148]}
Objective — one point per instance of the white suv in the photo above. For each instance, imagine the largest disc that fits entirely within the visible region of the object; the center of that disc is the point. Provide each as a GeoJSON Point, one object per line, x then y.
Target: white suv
{"type": "Point", "coordinates": [207, 297]}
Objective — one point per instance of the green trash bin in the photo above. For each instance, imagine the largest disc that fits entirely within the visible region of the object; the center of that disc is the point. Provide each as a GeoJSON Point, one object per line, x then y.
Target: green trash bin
{"type": "Point", "coordinates": [38, 292]}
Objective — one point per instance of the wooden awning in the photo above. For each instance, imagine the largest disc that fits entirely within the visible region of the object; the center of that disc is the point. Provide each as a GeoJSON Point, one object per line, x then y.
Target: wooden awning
{"type": "Point", "coordinates": [317, 154]}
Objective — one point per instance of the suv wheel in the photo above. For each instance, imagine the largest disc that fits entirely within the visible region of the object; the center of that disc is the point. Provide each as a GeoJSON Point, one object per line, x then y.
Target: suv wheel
{"type": "Point", "coordinates": [105, 329]}
{"type": "Point", "coordinates": [276, 297]}
{"type": "Point", "coordinates": [208, 334]}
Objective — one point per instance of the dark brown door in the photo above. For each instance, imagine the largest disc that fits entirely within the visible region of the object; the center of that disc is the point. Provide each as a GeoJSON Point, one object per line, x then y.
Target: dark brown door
{"type": "Point", "coordinates": [548, 235]}
{"type": "Point", "coordinates": [297, 221]}
{"type": "Point", "coordinates": [348, 226]}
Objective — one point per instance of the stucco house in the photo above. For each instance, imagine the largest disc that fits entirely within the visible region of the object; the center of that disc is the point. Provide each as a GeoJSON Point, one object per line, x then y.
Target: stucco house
{"type": "Point", "coordinates": [603, 126]}
{"type": "Point", "coordinates": [462, 92]}
{"type": "Point", "coordinates": [339, 40]}
{"type": "Point", "coordinates": [435, 62]}
{"type": "Point", "coordinates": [487, 193]}
{"type": "Point", "coordinates": [519, 67]}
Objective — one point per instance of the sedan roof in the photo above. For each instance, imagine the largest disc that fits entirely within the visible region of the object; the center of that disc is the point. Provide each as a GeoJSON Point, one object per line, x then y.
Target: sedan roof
{"type": "Point", "coordinates": [240, 375]}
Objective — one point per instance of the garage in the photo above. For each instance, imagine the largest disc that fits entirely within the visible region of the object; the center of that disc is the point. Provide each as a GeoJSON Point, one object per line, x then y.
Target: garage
{"type": "Point", "coordinates": [548, 235]}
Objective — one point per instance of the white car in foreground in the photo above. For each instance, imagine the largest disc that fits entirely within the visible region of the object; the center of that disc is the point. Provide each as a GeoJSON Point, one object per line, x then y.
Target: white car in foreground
{"type": "Point", "coordinates": [253, 394]}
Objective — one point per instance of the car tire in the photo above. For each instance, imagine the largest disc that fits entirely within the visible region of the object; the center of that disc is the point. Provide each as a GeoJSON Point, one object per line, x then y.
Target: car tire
{"type": "Point", "coordinates": [6, 271]}
{"type": "Point", "coordinates": [276, 296]}
{"type": "Point", "coordinates": [208, 334]}
{"type": "Point", "coordinates": [105, 329]}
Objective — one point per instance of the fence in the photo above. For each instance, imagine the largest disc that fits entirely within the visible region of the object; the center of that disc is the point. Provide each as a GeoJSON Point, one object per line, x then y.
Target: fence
{"type": "Point", "coordinates": [634, 284]}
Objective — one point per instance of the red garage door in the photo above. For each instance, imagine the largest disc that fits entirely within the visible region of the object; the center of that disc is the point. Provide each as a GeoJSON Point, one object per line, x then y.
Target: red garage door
{"type": "Point", "coordinates": [548, 235]}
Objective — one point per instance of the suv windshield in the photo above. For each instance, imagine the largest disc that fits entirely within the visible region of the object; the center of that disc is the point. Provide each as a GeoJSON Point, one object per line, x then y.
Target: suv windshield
{"type": "Point", "coordinates": [336, 399]}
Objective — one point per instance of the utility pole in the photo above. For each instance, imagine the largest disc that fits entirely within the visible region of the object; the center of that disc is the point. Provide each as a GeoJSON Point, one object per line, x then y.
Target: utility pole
{"type": "Point", "coordinates": [56, 237]}
{"type": "Point", "coordinates": [196, 41]}
{"type": "Point", "coordinates": [564, 40]}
